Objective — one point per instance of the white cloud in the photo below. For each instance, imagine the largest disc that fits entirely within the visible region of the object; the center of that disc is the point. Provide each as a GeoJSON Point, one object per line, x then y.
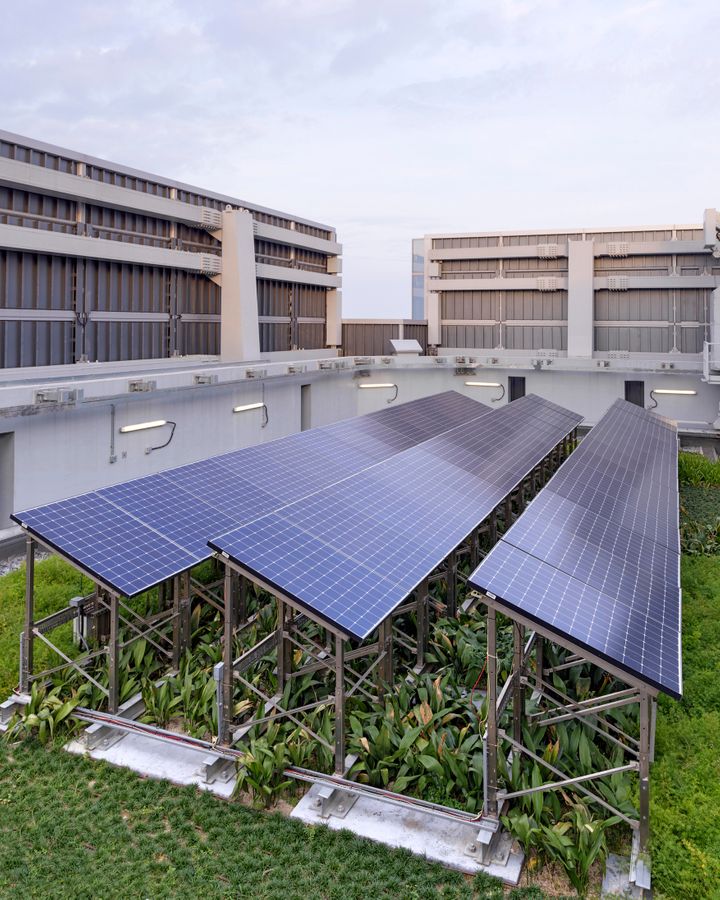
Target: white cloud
{"type": "Point", "coordinates": [387, 120]}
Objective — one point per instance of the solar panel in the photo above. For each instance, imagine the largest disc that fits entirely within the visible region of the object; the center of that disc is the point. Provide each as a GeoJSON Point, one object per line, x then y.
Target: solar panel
{"type": "Point", "coordinates": [595, 556]}
{"type": "Point", "coordinates": [167, 518]}
{"type": "Point", "coordinates": [353, 551]}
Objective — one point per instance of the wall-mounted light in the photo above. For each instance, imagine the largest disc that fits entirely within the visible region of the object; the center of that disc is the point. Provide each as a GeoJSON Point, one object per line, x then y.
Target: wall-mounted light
{"type": "Point", "coordinates": [378, 385]}
{"type": "Point", "coordinates": [143, 426]}
{"type": "Point", "coordinates": [488, 384]}
{"type": "Point", "coordinates": [246, 407]}
{"type": "Point", "coordinates": [680, 393]}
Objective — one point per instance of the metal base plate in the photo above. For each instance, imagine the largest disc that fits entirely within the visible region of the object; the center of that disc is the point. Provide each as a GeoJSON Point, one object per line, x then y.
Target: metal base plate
{"type": "Point", "coordinates": [616, 882]}
{"type": "Point", "coordinates": [437, 839]}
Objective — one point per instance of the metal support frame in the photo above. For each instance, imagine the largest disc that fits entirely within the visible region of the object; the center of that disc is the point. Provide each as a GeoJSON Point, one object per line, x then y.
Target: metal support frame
{"type": "Point", "coordinates": [423, 622]}
{"type": "Point", "coordinates": [490, 806]}
{"type": "Point", "coordinates": [225, 711]}
{"type": "Point", "coordinates": [590, 711]}
{"type": "Point", "coordinates": [26, 640]}
{"type": "Point", "coordinates": [385, 641]}
{"type": "Point", "coordinates": [518, 688]}
{"type": "Point", "coordinates": [113, 653]}
{"type": "Point", "coordinates": [339, 705]}
{"type": "Point", "coordinates": [451, 585]}
{"type": "Point", "coordinates": [644, 769]}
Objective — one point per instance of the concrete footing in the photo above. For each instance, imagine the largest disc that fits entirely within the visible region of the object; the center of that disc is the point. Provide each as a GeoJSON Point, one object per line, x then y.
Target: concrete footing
{"type": "Point", "coordinates": [439, 839]}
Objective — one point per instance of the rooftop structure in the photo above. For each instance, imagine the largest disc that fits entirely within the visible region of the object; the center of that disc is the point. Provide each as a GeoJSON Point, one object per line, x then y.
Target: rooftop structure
{"type": "Point", "coordinates": [101, 262]}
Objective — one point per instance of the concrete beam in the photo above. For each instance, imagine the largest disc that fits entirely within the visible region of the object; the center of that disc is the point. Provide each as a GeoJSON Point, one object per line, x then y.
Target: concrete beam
{"type": "Point", "coordinates": [40, 180]}
{"type": "Point", "coordinates": [297, 276]}
{"type": "Point", "coordinates": [294, 238]}
{"type": "Point", "coordinates": [33, 240]}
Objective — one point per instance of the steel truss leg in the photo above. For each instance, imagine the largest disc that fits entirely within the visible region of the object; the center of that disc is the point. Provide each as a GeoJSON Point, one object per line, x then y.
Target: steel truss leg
{"type": "Point", "coordinates": [474, 549]}
{"type": "Point", "coordinates": [385, 645]}
{"type": "Point", "coordinates": [339, 705]}
{"type": "Point", "coordinates": [491, 805]}
{"type": "Point", "coordinates": [423, 596]}
{"type": "Point", "coordinates": [242, 600]}
{"type": "Point", "coordinates": [284, 647]}
{"type": "Point", "coordinates": [451, 585]}
{"type": "Point", "coordinates": [518, 687]}
{"type": "Point", "coordinates": [644, 771]}
{"type": "Point", "coordinates": [492, 528]}
{"type": "Point", "coordinates": [539, 660]}
{"type": "Point", "coordinates": [177, 622]}
{"type": "Point", "coordinates": [225, 719]}
{"type": "Point", "coordinates": [113, 653]}
{"type": "Point", "coordinates": [27, 647]}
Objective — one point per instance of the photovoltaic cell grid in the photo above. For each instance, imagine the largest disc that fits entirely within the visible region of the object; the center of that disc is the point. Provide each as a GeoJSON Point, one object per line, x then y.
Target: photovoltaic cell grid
{"type": "Point", "coordinates": [353, 551]}
{"type": "Point", "coordinates": [595, 557]}
{"type": "Point", "coordinates": [135, 534]}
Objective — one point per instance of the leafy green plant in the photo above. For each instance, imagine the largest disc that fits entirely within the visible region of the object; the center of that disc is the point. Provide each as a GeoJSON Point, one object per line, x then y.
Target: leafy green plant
{"type": "Point", "coordinates": [160, 702]}
{"type": "Point", "coordinates": [576, 843]}
{"type": "Point", "coordinates": [43, 715]}
{"type": "Point", "coordinates": [261, 771]}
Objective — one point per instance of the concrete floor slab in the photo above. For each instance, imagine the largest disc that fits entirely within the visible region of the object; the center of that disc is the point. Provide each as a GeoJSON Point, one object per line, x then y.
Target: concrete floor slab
{"type": "Point", "coordinates": [175, 763]}
{"type": "Point", "coordinates": [438, 839]}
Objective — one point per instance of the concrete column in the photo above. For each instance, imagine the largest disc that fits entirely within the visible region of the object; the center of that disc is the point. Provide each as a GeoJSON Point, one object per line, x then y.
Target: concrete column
{"type": "Point", "coordinates": [581, 260]}
{"type": "Point", "coordinates": [333, 312]}
{"type": "Point", "coordinates": [239, 331]}
{"type": "Point", "coordinates": [432, 309]}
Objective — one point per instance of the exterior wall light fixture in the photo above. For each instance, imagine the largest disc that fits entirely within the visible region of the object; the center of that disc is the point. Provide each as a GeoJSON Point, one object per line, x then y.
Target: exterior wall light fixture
{"type": "Point", "coordinates": [143, 426]}
{"type": "Point", "coordinates": [246, 407]}
{"type": "Point", "coordinates": [488, 384]}
{"type": "Point", "coordinates": [655, 391]}
{"type": "Point", "coordinates": [377, 385]}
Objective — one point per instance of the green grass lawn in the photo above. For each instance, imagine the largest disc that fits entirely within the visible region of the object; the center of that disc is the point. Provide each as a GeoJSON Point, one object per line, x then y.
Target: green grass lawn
{"type": "Point", "coordinates": [71, 827]}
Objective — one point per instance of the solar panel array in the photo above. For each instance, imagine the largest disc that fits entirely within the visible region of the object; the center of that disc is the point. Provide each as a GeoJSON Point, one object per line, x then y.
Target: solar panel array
{"type": "Point", "coordinates": [595, 557]}
{"type": "Point", "coordinates": [133, 535]}
{"type": "Point", "coordinates": [353, 551]}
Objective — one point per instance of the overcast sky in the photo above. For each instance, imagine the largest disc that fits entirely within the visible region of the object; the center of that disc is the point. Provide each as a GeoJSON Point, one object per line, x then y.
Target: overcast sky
{"type": "Point", "coordinates": [387, 119]}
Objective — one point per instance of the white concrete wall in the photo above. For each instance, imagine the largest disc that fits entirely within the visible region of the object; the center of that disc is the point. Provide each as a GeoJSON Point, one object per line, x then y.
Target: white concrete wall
{"type": "Point", "coordinates": [64, 452]}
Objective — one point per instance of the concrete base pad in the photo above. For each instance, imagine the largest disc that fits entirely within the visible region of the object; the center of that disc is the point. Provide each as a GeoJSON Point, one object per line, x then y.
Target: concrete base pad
{"type": "Point", "coordinates": [172, 762]}
{"type": "Point", "coordinates": [438, 839]}
{"type": "Point", "coordinates": [616, 882]}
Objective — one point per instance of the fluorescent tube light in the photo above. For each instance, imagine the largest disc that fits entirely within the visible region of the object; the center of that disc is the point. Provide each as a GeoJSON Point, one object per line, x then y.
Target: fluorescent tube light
{"type": "Point", "coordinates": [246, 407]}
{"type": "Point", "coordinates": [666, 391]}
{"type": "Point", "coordinates": [142, 426]}
{"type": "Point", "coordinates": [373, 385]}
{"type": "Point", "coordinates": [488, 384]}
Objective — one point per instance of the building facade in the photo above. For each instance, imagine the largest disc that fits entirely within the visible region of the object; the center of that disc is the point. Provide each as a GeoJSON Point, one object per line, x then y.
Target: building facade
{"type": "Point", "coordinates": [639, 292]}
{"type": "Point", "coordinates": [99, 262]}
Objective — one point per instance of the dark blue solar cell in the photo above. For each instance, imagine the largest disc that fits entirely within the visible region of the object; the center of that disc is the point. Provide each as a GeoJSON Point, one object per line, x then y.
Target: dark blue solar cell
{"type": "Point", "coordinates": [111, 545]}
{"type": "Point", "coordinates": [385, 529]}
{"type": "Point", "coordinates": [595, 556]}
{"type": "Point", "coordinates": [178, 510]}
